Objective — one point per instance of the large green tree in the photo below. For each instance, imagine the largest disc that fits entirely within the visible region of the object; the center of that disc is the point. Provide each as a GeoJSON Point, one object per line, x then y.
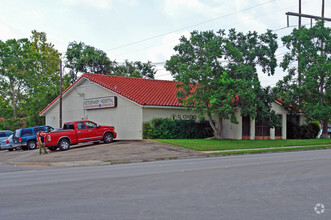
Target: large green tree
{"type": "Point", "coordinates": [136, 69]}
{"type": "Point", "coordinates": [15, 65]}
{"type": "Point", "coordinates": [82, 58]}
{"type": "Point", "coordinates": [43, 81]}
{"type": "Point", "coordinates": [29, 77]}
{"type": "Point", "coordinates": [218, 74]}
{"type": "Point", "coordinates": [312, 96]}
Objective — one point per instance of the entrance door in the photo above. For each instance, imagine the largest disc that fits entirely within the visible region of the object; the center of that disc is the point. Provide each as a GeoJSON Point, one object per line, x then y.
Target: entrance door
{"type": "Point", "coordinates": [246, 128]}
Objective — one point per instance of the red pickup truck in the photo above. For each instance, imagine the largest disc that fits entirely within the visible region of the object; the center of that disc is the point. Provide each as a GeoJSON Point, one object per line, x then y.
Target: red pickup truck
{"type": "Point", "coordinates": [78, 132]}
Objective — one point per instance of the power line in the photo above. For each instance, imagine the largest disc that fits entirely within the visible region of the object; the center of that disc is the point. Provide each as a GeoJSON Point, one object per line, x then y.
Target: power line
{"type": "Point", "coordinates": [132, 51]}
{"type": "Point", "coordinates": [187, 27]}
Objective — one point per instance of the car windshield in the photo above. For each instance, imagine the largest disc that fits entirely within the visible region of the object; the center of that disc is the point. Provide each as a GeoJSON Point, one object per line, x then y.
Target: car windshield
{"type": "Point", "coordinates": [2, 134]}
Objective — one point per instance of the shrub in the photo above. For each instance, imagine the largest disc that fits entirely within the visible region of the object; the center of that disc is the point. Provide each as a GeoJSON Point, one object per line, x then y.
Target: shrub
{"type": "Point", "coordinates": [165, 128]}
{"type": "Point", "coordinates": [307, 131]}
{"type": "Point", "coordinates": [11, 124]}
{"type": "Point", "coordinates": [310, 130]}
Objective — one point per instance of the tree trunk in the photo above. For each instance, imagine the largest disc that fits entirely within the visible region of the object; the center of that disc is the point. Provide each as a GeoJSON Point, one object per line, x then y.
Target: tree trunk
{"type": "Point", "coordinates": [217, 127]}
{"type": "Point", "coordinates": [325, 129]}
{"type": "Point", "coordinates": [13, 100]}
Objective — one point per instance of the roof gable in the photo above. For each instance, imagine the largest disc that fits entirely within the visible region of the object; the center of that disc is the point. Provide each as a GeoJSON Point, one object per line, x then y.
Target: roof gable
{"type": "Point", "coordinates": [139, 90]}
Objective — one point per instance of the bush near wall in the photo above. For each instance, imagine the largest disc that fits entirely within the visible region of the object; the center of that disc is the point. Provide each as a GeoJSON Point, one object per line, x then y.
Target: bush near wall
{"type": "Point", "coordinates": [11, 124]}
{"type": "Point", "coordinates": [307, 131]}
{"type": "Point", "coordinates": [164, 128]}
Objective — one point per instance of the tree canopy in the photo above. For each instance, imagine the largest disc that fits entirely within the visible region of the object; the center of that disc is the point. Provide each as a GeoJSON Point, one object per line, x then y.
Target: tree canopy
{"type": "Point", "coordinates": [82, 58]}
{"type": "Point", "coordinates": [312, 47]}
{"type": "Point", "coordinates": [218, 74]}
{"type": "Point", "coordinates": [29, 76]}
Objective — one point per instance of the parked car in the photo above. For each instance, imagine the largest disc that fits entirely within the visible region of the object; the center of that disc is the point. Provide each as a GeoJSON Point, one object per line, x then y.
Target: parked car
{"type": "Point", "coordinates": [7, 144]}
{"type": "Point", "coordinates": [26, 138]}
{"type": "Point", "coordinates": [4, 135]}
{"type": "Point", "coordinates": [79, 132]}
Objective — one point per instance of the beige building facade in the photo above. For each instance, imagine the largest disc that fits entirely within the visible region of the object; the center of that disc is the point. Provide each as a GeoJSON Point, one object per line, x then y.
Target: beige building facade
{"type": "Point", "coordinates": [106, 104]}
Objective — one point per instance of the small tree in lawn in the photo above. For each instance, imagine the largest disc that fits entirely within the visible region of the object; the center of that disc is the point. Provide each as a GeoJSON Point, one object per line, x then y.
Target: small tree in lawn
{"type": "Point", "coordinates": [218, 74]}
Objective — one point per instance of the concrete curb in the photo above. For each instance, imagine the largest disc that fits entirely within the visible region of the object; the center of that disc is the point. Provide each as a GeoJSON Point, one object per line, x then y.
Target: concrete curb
{"type": "Point", "coordinates": [268, 148]}
{"type": "Point", "coordinates": [98, 162]}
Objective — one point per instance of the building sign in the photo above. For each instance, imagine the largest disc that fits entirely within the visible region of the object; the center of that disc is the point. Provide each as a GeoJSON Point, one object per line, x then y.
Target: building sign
{"type": "Point", "coordinates": [105, 102]}
{"type": "Point", "coordinates": [183, 117]}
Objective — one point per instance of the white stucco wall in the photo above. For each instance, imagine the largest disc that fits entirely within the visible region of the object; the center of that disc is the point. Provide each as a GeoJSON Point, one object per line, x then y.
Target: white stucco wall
{"type": "Point", "coordinates": [278, 108]}
{"type": "Point", "coordinates": [232, 131]}
{"type": "Point", "coordinates": [167, 112]}
{"type": "Point", "coordinates": [126, 117]}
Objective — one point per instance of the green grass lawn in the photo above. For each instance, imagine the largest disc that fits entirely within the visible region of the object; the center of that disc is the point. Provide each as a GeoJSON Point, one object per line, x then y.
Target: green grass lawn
{"type": "Point", "coordinates": [211, 145]}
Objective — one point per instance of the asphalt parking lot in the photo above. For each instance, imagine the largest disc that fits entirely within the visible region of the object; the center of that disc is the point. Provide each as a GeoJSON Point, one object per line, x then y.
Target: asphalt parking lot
{"type": "Point", "coordinates": [99, 154]}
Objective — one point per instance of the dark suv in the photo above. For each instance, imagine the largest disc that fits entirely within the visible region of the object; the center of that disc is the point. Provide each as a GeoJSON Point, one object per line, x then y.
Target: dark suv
{"type": "Point", "coordinates": [26, 138]}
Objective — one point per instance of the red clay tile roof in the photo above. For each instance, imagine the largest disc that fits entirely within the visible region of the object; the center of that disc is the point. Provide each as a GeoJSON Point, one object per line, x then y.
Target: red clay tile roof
{"type": "Point", "coordinates": [138, 90]}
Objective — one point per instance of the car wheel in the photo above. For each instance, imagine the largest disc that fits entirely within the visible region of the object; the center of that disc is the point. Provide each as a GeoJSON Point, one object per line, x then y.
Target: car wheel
{"type": "Point", "coordinates": [10, 149]}
{"type": "Point", "coordinates": [64, 144]}
{"type": "Point", "coordinates": [52, 148]}
{"type": "Point", "coordinates": [32, 145]}
{"type": "Point", "coordinates": [108, 138]}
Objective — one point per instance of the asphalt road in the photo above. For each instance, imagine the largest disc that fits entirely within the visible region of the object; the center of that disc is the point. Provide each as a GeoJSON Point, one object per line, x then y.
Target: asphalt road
{"type": "Point", "coordinates": [295, 185]}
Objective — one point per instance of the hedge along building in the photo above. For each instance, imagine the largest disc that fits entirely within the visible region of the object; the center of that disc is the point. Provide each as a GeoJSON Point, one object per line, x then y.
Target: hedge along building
{"type": "Point", "coordinates": [126, 102]}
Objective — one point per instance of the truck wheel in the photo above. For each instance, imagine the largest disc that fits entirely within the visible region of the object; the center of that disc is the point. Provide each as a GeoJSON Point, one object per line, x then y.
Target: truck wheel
{"type": "Point", "coordinates": [32, 145]}
{"type": "Point", "coordinates": [52, 148]}
{"type": "Point", "coordinates": [108, 138]}
{"type": "Point", "coordinates": [64, 144]}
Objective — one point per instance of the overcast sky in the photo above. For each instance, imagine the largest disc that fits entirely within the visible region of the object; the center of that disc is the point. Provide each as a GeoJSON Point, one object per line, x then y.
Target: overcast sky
{"type": "Point", "coordinates": [142, 30]}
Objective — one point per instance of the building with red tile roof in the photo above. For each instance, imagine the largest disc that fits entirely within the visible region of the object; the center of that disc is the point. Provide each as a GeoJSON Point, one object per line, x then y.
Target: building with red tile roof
{"type": "Point", "coordinates": [137, 100]}
{"type": "Point", "coordinates": [126, 102]}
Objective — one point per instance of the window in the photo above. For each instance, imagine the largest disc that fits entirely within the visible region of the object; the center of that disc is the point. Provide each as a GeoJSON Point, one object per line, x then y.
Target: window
{"type": "Point", "coordinates": [68, 126]}
{"type": "Point", "coordinates": [81, 125]}
{"type": "Point", "coordinates": [36, 130]}
{"type": "Point", "coordinates": [8, 133]}
{"type": "Point", "coordinates": [26, 132]}
{"type": "Point", "coordinates": [2, 134]}
{"type": "Point", "coordinates": [262, 128]}
{"type": "Point", "coordinates": [17, 133]}
{"type": "Point", "coordinates": [90, 124]}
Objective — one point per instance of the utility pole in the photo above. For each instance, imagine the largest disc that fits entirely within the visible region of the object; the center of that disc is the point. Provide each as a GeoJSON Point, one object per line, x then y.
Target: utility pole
{"type": "Point", "coordinates": [299, 49]}
{"type": "Point", "coordinates": [60, 111]}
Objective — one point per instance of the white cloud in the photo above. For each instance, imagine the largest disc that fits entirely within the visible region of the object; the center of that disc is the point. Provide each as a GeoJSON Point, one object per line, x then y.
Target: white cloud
{"type": "Point", "coordinates": [10, 30]}
{"type": "Point", "coordinates": [33, 14]}
{"type": "Point", "coordinates": [130, 3]}
{"type": "Point", "coordinates": [162, 52]}
{"type": "Point", "coordinates": [177, 8]}
{"type": "Point", "coordinates": [98, 4]}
